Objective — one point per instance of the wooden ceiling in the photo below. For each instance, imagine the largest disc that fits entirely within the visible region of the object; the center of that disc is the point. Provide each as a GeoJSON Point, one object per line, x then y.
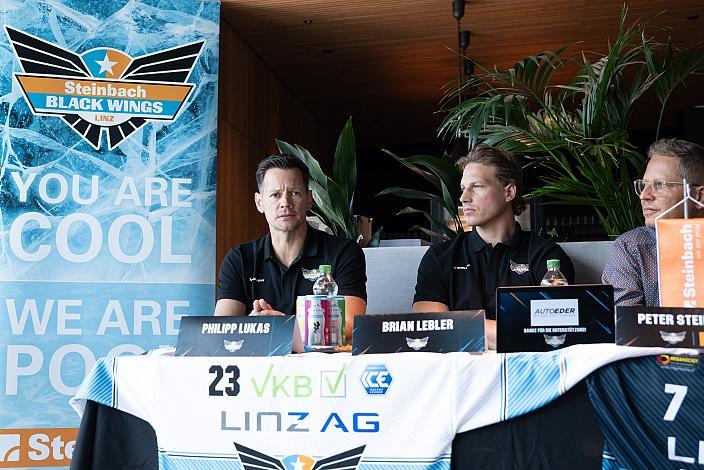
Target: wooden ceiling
{"type": "Point", "coordinates": [385, 62]}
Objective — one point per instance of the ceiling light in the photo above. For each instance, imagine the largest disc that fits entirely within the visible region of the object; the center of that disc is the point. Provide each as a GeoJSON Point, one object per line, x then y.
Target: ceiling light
{"type": "Point", "coordinates": [464, 39]}
{"type": "Point", "coordinates": [458, 9]}
{"type": "Point", "coordinates": [468, 67]}
{"type": "Point", "coordinates": [462, 42]}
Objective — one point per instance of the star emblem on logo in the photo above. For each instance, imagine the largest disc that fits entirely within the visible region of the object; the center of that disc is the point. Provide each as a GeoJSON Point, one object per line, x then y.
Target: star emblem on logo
{"type": "Point", "coordinates": [106, 64]}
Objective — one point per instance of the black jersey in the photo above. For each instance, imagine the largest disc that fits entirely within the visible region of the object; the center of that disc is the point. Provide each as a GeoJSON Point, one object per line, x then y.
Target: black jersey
{"type": "Point", "coordinates": [650, 410]}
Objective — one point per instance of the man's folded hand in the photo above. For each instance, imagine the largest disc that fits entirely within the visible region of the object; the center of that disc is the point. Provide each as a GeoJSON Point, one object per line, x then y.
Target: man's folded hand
{"type": "Point", "coordinates": [261, 307]}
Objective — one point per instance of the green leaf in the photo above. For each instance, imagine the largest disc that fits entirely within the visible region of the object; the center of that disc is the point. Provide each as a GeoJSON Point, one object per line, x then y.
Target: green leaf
{"type": "Point", "coordinates": [316, 172]}
{"type": "Point", "coordinates": [345, 165]}
{"type": "Point", "coordinates": [443, 175]}
{"type": "Point", "coordinates": [449, 201]}
{"type": "Point", "coordinates": [410, 163]}
{"type": "Point", "coordinates": [432, 233]}
{"type": "Point", "coordinates": [408, 193]}
{"type": "Point", "coordinates": [340, 207]}
{"type": "Point", "coordinates": [332, 200]}
{"type": "Point", "coordinates": [439, 171]}
{"type": "Point", "coordinates": [444, 170]}
{"type": "Point", "coordinates": [438, 225]}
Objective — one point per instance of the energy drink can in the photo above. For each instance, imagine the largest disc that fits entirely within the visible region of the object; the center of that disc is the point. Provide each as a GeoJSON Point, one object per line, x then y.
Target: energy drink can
{"type": "Point", "coordinates": [336, 320]}
{"type": "Point", "coordinates": [313, 320]}
{"type": "Point", "coordinates": [321, 320]}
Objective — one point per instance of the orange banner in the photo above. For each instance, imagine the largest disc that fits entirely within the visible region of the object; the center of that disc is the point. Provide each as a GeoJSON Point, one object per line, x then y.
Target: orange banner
{"type": "Point", "coordinates": [37, 447]}
{"type": "Point", "coordinates": [104, 88]}
{"type": "Point", "coordinates": [680, 265]}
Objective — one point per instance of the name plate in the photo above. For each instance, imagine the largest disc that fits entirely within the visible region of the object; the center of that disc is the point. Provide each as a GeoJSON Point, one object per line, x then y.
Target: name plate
{"type": "Point", "coordinates": [660, 326]}
{"type": "Point", "coordinates": [544, 318]}
{"type": "Point", "coordinates": [236, 336]}
{"type": "Point", "coordinates": [423, 332]}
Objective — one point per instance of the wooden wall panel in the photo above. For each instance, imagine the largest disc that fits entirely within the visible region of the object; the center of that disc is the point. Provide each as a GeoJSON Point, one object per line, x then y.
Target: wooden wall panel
{"type": "Point", "coordinates": [386, 62]}
{"type": "Point", "coordinates": [237, 218]}
{"type": "Point", "coordinates": [255, 107]}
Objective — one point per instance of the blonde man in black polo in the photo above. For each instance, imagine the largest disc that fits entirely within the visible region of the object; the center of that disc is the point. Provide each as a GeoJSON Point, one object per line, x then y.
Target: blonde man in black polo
{"type": "Point", "coordinates": [463, 274]}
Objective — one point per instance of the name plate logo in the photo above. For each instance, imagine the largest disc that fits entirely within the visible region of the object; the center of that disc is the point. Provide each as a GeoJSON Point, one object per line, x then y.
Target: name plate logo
{"type": "Point", "coordinates": [554, 312]}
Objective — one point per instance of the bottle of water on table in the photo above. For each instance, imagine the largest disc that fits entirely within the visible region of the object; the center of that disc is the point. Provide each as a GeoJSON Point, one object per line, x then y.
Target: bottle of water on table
{"type": "Point", "coordinates": [326, 285]}
{"type": "Point", "coordinates": [554, 276]}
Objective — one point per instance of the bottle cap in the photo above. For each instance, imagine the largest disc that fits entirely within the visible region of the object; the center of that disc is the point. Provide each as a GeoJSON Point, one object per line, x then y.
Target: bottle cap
{"type": "Point", "coordinates": [553, 263]}
{"type": "Point", "coordinates": [326, 268]}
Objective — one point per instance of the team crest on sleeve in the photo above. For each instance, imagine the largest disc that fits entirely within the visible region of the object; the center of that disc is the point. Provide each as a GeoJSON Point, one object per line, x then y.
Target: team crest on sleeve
{"type": "Point", "coordinates": [255, 460]}
{"type": "Point", "coordinates": [103, 90]}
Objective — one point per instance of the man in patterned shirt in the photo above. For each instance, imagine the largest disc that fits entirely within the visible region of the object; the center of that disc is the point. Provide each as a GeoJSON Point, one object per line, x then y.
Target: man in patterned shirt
{"type": "Point", "coordinates": [632, 267]}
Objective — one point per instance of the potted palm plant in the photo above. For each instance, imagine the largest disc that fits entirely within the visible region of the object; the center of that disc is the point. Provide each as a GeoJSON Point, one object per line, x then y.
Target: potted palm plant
{"type": "Point", "coordinates": [333, 197]}
{"type": "Point", "coordinates": [577, 133]}
{"type": "Point", "coordinates": [445, 179]}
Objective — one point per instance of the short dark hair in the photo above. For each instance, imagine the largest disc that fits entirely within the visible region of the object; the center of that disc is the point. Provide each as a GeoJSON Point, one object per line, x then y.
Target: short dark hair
{"type": "Point", "coordinates": [506, 167]}
{"type": "Point", "coordinates": [284, 162]}
{"type": "Point", "coordinates": [689, 154]}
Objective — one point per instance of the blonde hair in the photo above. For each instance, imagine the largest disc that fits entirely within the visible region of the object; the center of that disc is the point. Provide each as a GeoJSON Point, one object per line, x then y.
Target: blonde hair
{"type": "Point", "coordinates": [507, 169]}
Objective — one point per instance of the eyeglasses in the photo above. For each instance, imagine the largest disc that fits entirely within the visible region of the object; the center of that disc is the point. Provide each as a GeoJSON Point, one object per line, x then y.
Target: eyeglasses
{"type": "Point", "coordinates": [657, 186]}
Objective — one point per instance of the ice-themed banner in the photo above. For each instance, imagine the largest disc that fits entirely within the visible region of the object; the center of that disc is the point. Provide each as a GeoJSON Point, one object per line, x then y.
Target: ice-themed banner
{"type": "Point", "coordinates": [107, 197]}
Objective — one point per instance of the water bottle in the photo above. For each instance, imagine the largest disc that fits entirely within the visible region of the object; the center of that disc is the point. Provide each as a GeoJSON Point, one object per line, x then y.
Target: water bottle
{"type": "Point", "coordinates": [554, 276]}
{"type": "Point", "coordinates": [325, 284]}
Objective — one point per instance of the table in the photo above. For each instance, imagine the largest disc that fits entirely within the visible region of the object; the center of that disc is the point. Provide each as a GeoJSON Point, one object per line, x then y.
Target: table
{"type": "Point", "coordinates": [386, 411]}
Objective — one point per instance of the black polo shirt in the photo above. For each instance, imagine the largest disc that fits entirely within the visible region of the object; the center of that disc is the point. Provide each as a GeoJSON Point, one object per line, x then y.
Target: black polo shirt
{"type": "Point", "coordinates": [251, 271]}
{"type": "Point", "coordinates": [464, 273]}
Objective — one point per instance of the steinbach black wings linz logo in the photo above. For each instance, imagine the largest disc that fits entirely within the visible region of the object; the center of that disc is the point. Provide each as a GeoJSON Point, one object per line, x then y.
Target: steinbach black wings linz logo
{"type": "Point", "coordinates": [103, 88]}
{"type": "Point", "coordinates": [233, 346]}
{"type": "Point", "coordinates": [254, 460]}
{"type": "Point", "coordinates": [417, 343]}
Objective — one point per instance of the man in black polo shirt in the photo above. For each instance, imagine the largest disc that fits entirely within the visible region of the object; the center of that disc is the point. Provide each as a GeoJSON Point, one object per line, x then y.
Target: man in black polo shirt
{"type": "Point", "coordinates": [264, 276]}
{"type": "Point", "coordinates": [463, 274]}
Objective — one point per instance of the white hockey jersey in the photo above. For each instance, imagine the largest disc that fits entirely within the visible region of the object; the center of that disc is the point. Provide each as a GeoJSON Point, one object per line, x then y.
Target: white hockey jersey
{"type": "Point", "coordinates": [315, 411]}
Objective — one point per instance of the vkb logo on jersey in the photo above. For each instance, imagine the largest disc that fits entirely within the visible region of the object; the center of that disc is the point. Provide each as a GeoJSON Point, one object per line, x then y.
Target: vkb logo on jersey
{"type": "Point", "coordinates": [376, 379]}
